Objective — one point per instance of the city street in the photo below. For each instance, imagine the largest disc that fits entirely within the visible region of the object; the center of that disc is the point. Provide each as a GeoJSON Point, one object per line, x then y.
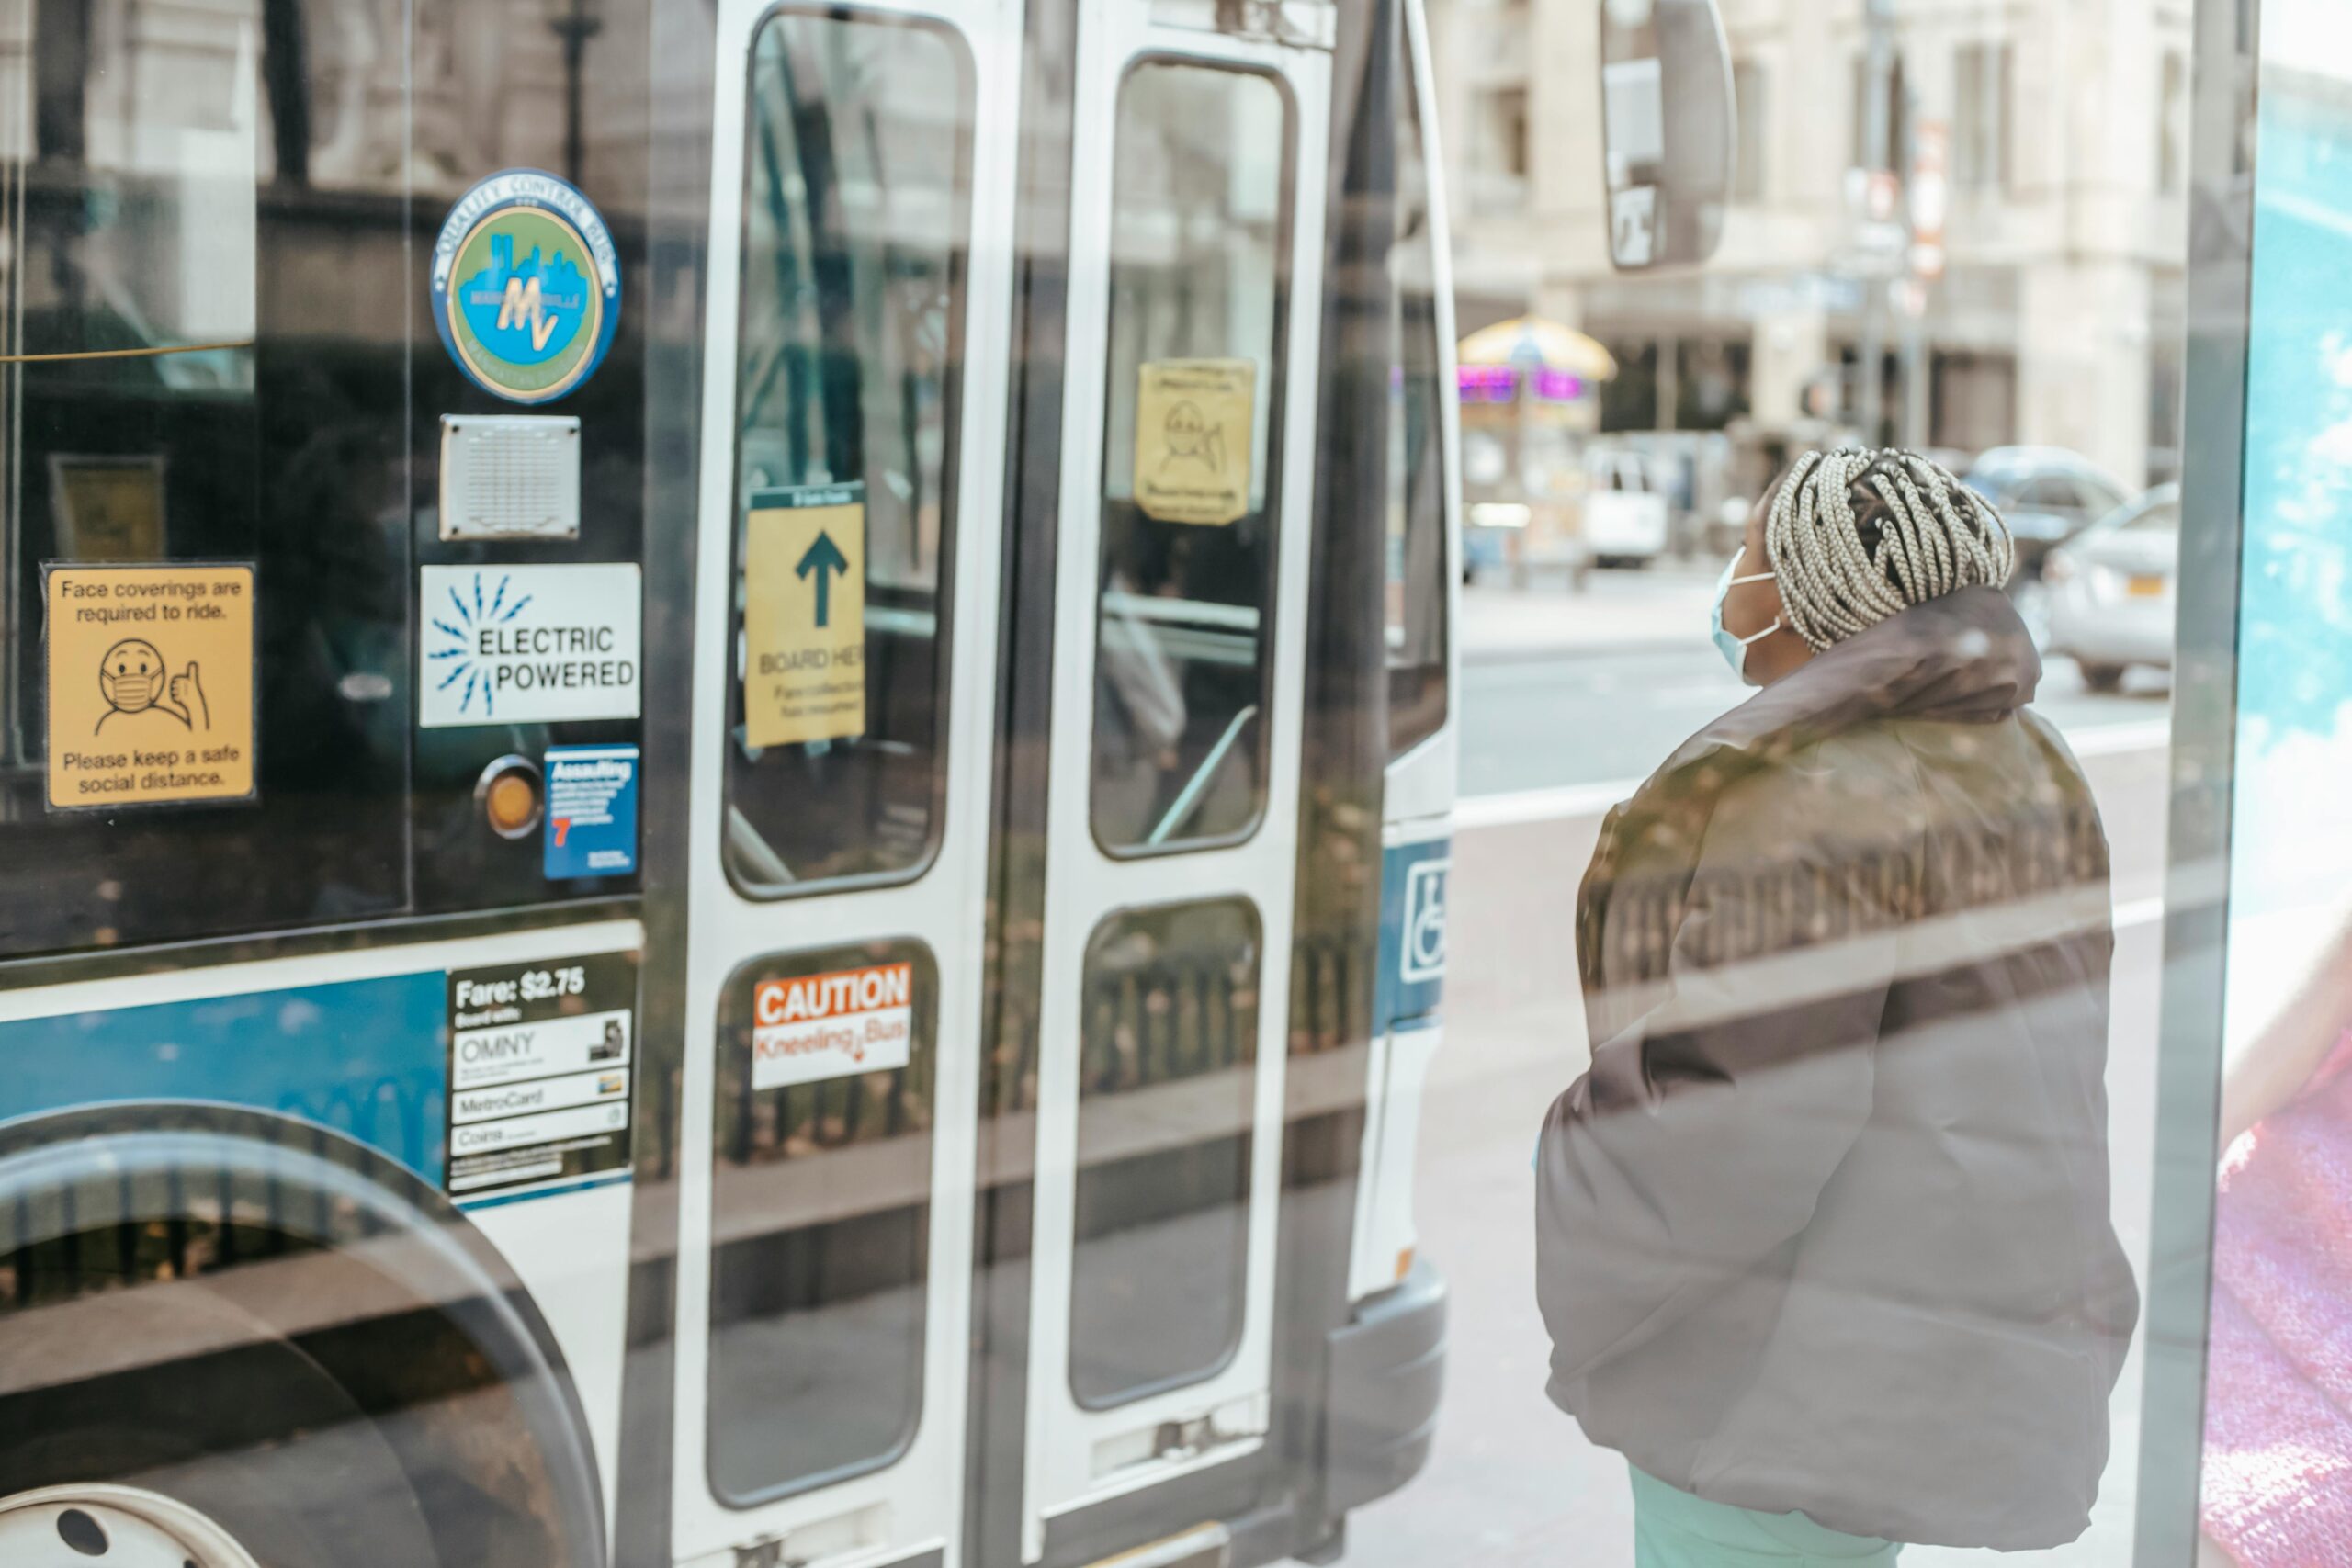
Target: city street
{"type": "Point", "coordinates": [1550, 723]}
{"type": "Point", "coordinates": [1563, 689]}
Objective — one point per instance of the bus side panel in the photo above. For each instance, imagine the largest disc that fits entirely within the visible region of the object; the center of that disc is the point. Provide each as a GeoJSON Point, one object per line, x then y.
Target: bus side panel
{"type": "Point", "coordinates": [364, 1059]}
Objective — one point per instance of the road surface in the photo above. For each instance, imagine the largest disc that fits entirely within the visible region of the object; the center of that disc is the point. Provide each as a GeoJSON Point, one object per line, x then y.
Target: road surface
{"type": "Point", "coordinates": [1561, 689]}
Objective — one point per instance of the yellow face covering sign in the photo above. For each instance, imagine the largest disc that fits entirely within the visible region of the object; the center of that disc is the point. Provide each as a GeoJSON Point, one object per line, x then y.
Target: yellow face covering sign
{"type": "Point", "coordinates": [804, 615]}
{"type": "Point", "coordinates": [1192, 435]}
{"type": "Point", "coordinates": [151, 684]}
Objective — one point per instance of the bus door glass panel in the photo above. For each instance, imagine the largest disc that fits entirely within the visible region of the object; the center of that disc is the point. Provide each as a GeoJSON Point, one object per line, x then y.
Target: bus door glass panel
{"type": "Point", "coordinates": [1167, 1078]}
{"type": "Point", "coordinates": [1199, 231]}
{"type": "Point", "coordinates": [1415, 531]}
{"type": "Point", "coordinates": [856, 198]}
{"type": "Point", "coordinates": [821, 1221]}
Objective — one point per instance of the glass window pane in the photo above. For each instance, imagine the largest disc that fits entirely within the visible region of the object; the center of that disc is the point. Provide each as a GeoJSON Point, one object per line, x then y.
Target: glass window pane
{"type": "Point", "coordinates": [821, 1217]}
{"type": "Point", "coordinates": [1168, 1070]}
{"type": "Point", "coordinates": [1199, 230]}
{"type": "Point", "coordinates": [1416, 522]}
{"type": "Point", "coordinates": [857, 189]}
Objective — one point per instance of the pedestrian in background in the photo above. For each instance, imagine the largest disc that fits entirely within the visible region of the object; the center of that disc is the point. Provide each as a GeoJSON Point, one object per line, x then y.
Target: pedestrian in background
{"type": "Point", "coordinates": [1823, 1237]}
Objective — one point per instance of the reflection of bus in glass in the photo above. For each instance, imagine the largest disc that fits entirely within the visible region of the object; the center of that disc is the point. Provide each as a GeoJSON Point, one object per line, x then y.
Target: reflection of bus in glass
{"type": "Point", "coordinates": [801, 924]}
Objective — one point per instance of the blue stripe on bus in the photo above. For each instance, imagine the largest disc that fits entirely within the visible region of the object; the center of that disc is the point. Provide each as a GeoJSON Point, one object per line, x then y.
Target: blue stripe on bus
{"type": "Point", "coordinates": [366, 1057]}
{"type": "Point", "coordinates": [500, 1199]}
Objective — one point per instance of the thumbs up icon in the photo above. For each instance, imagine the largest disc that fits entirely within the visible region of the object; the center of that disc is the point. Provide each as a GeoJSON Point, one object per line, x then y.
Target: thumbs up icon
{"type": "Point", "coordinates": [188, 695]}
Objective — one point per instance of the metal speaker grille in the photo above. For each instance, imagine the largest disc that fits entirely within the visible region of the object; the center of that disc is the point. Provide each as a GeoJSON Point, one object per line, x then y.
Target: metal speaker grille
{"type": "Point", "coordinates": [510, 477]}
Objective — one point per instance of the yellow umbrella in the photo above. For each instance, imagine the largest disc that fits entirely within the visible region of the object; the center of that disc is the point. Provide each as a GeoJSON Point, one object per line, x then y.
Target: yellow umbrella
{"type": "Point", "coordinates": [1532, 342]}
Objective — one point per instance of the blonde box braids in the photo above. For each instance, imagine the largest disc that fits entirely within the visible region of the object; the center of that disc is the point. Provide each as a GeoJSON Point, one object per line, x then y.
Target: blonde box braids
{"type": "Point", "coordinates": [1934, 535]}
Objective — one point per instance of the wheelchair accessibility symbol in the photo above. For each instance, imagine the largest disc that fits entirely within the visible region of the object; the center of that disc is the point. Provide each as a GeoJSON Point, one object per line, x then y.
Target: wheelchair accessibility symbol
{"type": "Point", "coordinates": [1423, 956]}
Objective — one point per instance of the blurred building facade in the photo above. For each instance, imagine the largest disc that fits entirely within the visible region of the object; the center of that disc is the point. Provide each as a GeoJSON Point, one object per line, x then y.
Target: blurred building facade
{"type": "Point", "coordinates": [2055, 315]}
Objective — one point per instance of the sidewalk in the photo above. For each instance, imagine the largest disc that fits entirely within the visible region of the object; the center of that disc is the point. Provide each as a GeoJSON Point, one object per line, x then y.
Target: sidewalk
{"type": "Point", "coordinates": [1663, 607]}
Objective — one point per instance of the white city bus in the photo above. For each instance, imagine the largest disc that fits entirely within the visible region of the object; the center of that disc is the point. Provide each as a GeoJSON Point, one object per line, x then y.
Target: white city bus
{"type": "Point", "coordinates": [726, 753]}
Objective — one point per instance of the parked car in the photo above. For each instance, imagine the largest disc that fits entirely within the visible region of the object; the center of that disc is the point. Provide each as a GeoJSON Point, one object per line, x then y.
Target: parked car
{"type": "Point", "coordinates": [2111, 589]}
{"type": "Point", "coordinates": [2048, 495]}
{"type": "Point", "coordinates": [1624, 506]}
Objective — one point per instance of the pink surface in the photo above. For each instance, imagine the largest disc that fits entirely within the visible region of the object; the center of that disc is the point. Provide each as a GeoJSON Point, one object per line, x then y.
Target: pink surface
{"type": "Point", "coordinates": [2277, 1481]}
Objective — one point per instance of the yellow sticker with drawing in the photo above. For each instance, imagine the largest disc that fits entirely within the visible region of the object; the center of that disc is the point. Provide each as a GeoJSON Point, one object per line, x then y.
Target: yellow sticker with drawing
{"type": "Point", "coordinates": [108, 508]}
{"type": "Point", "coordinates": [1194, 420]}
{"type": "Point", "coordinates": [804, 615]}
{"type": "Point", "coordinates": [151, 684]}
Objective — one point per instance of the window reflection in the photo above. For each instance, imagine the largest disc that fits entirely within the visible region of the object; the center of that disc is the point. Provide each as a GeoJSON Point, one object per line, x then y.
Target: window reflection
{"type": "Point", "coordinates": [1166, 1071]}
{"type": "Point", "coordinates": [856, 194]}
{"type": "Point", "coordinates": [822, 1221]}
{"type": "Point", "coordinates": [1415, 556]}
{"type": "Point", "coordinates": [1190, 504]}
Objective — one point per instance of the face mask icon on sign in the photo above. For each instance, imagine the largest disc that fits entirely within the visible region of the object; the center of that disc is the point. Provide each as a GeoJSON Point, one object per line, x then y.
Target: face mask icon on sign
{"type": "Point", "coordinates": [134, 679]}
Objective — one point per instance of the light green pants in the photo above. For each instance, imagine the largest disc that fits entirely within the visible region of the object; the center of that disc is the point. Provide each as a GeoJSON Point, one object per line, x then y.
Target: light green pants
{"type": "Point", "coordinates": [1674, 1529]}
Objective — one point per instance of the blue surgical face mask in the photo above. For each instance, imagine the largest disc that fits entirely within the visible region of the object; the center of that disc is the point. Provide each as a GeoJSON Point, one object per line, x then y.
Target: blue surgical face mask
{"type": "Point", "coordinates": [1735, 648]}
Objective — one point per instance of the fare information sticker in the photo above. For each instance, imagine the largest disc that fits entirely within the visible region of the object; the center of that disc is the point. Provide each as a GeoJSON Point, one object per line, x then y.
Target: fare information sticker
{"type": "Point", "coordinates": [828, 1026]}
{"type": "Point", "coordinates": [530, 644]}
{"type": "Point", "coordinates": [1193, 421]}
{"type": "Point", "coordinates": [541, 1057]}
{"type": "Point", "coordinates": [151, 684]}
{"type": "Point", "coordinates": [804, 615]}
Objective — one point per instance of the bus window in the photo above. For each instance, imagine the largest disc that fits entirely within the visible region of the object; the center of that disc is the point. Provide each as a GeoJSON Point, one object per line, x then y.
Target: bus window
{"type": "Point", "coordinates": [857, 190]}
{"type": "Point", "coordinates": [155, 412]}
{"type": "Point", "coordinates": [1416, 629]}
{"type": "Point", "coordinates": [1190, 495]}
{"type": "Point", "coordinates": [1167, 1072]}
{"type": "Point", "coordinates": [820, 1221]}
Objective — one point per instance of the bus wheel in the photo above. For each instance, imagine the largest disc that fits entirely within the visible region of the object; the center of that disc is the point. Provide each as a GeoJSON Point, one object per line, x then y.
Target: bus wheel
{"type": "Point", "coordinates": [254, 1456]}
{"type": "Point", "coordinates": [123, 1527]}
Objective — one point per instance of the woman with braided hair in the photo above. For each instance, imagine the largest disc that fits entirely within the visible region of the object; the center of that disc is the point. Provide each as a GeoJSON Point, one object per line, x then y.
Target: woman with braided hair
{"type": "Point", "coordinates": [1822, 1234]}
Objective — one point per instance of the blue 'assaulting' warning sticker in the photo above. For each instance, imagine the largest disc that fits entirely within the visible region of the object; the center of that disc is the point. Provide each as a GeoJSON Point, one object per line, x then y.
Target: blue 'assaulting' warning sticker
{"type": "Point", "coordinates": [592, 811]}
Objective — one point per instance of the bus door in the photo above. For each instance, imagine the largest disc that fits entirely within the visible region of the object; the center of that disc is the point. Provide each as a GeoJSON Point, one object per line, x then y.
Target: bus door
{"type": "Point", "coordinates": [845, 620]}
{"type": "Point", "coordinates": [1188, 435]}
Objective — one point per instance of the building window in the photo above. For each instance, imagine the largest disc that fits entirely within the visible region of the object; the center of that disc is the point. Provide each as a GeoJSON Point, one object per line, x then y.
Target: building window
{"type": "Point", "coordinates": [2172, 125]}
{"type": "Point", "coordinates": [1861, 154]}
{"type": "Point", "coordinates": [1980, 152]}
{"type": "Point", "coordinates": [1749, 86]}
{"type": "Point", "coordinates": [1500, 146]}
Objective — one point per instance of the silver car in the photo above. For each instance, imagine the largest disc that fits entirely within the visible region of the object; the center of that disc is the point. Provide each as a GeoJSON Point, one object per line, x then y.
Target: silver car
{"type": "Point", "coordinates": [2111, 589]}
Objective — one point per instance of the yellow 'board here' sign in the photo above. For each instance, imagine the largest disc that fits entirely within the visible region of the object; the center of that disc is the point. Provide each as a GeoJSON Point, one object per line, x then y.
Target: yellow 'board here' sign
{"type": "Point", "coordinates": [804, 615]}
{"type": "Point", "coordinates": [151, 684]}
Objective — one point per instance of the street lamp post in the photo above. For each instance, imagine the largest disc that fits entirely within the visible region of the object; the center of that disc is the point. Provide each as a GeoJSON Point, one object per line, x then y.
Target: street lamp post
{"type": "Point", "coordinates": [1878, 71]}
{"type": "Point", "coordinates": [574, 22]}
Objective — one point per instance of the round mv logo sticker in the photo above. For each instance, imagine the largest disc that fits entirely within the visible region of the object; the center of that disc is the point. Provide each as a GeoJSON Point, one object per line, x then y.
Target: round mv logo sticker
{"type": "Point", "coordinates": [526, 285]}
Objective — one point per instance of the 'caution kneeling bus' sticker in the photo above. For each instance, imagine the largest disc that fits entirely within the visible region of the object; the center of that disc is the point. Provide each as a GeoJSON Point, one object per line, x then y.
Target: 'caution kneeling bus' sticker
{"type": "Point", "coordinates": [804, 615]}
{"type": "Point", "coordinates": [809, 1027]}
{"type": "Point", "coordinates": [150, 683]}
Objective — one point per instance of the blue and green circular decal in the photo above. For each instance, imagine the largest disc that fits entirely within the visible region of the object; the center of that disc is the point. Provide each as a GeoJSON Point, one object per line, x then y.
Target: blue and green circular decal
{"type": "Point", "coordinates": [526, 285]}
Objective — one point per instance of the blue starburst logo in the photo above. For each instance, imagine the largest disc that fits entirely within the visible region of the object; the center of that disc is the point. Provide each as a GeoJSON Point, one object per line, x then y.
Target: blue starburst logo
{"type": "Point", "coordinates": [469, 620]}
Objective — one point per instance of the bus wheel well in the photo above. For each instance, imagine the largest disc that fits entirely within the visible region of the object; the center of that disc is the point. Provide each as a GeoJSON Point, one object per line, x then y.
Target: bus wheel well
{"type": "Point", "coordinates": [281, 1327]}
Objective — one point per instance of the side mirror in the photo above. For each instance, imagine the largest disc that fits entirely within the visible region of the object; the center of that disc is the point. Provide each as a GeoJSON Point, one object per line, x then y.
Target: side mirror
{"type": "Point", "coordinates": [1668, 130]}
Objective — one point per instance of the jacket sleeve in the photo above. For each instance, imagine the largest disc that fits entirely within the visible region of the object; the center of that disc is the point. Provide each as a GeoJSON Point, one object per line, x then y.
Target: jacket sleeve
{"type": "Point", "coordinates": [1699, 1139]}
